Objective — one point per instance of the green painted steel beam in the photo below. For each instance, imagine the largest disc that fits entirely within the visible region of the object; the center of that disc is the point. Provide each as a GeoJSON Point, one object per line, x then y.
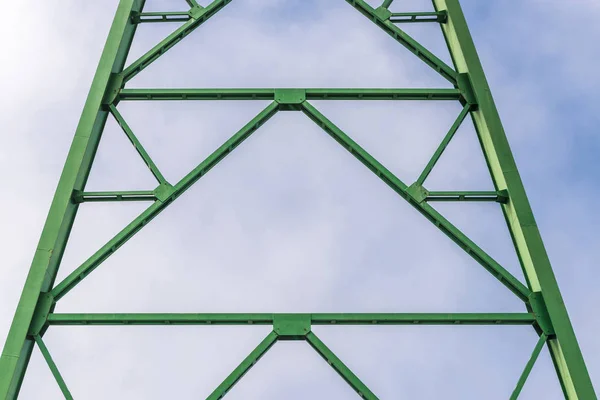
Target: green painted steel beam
{"type": "Point", "coordinates": [42, 273]}
{"type": "Point", "coordinates": [564, 348]}
{"type": "Point", "coordinates": [198, 18]}
{"type": "Point", "coordinates": [169, 16]}
{"type": "Point", "coordinates": [411, 17]}
{"type": "Point", "coordinates": [96, 197]}
{"type": "Point", "coordinates": [339, 367]}
{"type": "Point", "coordinates": [505, 277]}
{"type": "Point", "coordinates": [244, 367]}
{"type": "Point", "coordinates": [387, 3]}
{"type": "Point", "coordinates": [192, 3]}
{"type": "Point", "coordinates": [528, 367]}
{"type": "Point", "coordinates": [440, 150]}
{"type": "Point", "coordinates": [547, 311]}
{"type": "Point", "coordinates": [53, 368]}
{"type": "Point", "coordinates": [498, 197]}
{"type": "Point", "coordinates": [269, 94]}
{"type": "Point", "coordinates": [316, 319]}
{"type": "Point", "coordinates": [381, 17]}
{"type": "Point", "coordinates": [137, 145]}
{"type": "Point", "coordinates": [157, 207]}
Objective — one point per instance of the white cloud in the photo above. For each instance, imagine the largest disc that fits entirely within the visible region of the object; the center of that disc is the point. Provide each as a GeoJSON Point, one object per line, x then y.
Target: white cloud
{"type": "Point", "coordinates": [289, 217]}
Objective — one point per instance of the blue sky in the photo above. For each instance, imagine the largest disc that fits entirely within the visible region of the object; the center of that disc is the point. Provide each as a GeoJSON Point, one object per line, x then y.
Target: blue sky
{"type": "Point", "coordinates": [290, 222]}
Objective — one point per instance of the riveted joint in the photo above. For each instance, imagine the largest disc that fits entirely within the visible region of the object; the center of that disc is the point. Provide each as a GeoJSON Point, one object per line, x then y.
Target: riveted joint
{"type": "Point", "coordinates": [290, 99]}
{"type": "Point", "coordinates": [164, 191]}
{"type": "Point", "coordinates": [383, 13]}
{"type": "Point", "coordinates": [197, 12]}
{"type": "Point", "coordinates": [113, 89]}
{"type": "Point", "coordinates": [463, 81]}
{"type": "Point", "coordinates": [135, 17]}
{"type": "Point", "coordinates": [417, 192]}
{"type": "Point", "coordinates": [77, 196]}
{"type": "Point", "coordinates": [44, 307]}
{"type": "Point", "coordinates": [502, 196]}
{"type": "Point", "coordinates": [442, 17]}
{"type": "Point", "coordinates": [542, 318]}
{"type": "Point", "coordinates": [291, 326]}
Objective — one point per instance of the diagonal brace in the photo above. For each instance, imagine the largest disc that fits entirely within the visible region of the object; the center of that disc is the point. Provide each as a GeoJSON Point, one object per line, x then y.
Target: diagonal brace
{"type": "Point", "coordinates": [339, 367]}
{"type": "Point", "coordinates": [529, 366]}
{"type": "Point", "coordinates": [301, 320]}
{"type": "Point", "coordinates": [153, 54]}
{"type": "Point", "coordinates": [565, 351]}
{"type": "Point", "coordinates": [53, 368]}
{"type": "Point", "coordinates": [381, 17]}
{"type": "Point", "coordinates": [137, 145]}
{"type": "Point", "coordinates": [137, 195]}
{"type": "Point", "coordinates": [425, 209]}
{"type": "Point", "coordinates": [438, 153]}
{"type": "Point", "coordinates": [157, 207]}
{"type": "Point", "coordinates": [244, 367]}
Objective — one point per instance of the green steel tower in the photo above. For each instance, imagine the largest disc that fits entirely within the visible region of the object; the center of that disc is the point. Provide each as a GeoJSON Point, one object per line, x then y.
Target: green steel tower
{"type": "Point", "coordinates": [545, 309]}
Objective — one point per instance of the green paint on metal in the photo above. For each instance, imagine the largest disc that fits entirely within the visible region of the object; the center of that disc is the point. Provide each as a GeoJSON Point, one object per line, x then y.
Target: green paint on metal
{"type": "Point", "coordinates": [53, 368]}
{"type": "Point", "coordinates": [157, 207]}
{"type": "Point", "coordinates": [534, 355]}
{"type": "Point", "coordinates": [463, 81]}
{"type": "Point", "coordinates": [18, 346]}
{"type": "Point", "coordinates": [164, 191]}
{"type": "Point", "coordinates": [290, 99]}
{"type": "Point", "coordinates": [466, 196]}
{"type": "Point", "coordinates": [569, 363]}
{"type": "Point", "coordinates": [244, 367]}
{"type": "Point", "coordinates": [39, 322]}
{"type": "Point", "coordinates": [538, 306]}
{"type": "Point", "coordinates": [291, 326]}
{"type": "Point", "coordinates": [426, 210]}
{"type": "Point", "coordinates": [387, 3]}
{"type": "Point", "coordinates": [412, 17]}
{"type": "Point", "coordinates": [417, 192]}
{"type": "Point", "coordinates": [193, 3]}
{"type": "Point", "coordinates": [339, 367]}
{"type": "Point", "coordinates": [137, 145]}
{"type": "Point", "coordinates": [503, 196]}
{"type": "Point", "coordinates": [167, 43]}
{"type": "Point", "coordinates": [269, 94]}
{"type": "Point", "coordinates": [197, 12]}
{"type": "Point", "coordinates": [547, 313]}
{"type": "Point", "coordinates": [438, 153]}
{"type": "Point", "coordinates": [169, 16]}
{"type": "Point", "coordinates": [383, 13]}
{"type": "Point", "coordinates": [405, 40]}
{"type": "Point", "coordinates": [306, 320]}
{"type": "Point", "coordinates": [96, 197]}
{"type": "Point", "coordinates": [113, 87]}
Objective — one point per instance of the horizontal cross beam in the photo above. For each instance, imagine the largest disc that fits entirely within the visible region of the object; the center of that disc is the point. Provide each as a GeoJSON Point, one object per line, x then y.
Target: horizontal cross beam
{"type": "Point", "coordinates": [141, 195]}
{"type": "Point", "coordinates": [169, 16]}
{"type": "Point", "coordinates": [315, 319]}
{"type": "Point", "coordinates": [408, 17]}
{"type": "Point", "coordinates": [499, 197]}
{"type": "Point", "coordinates": [269, 94]}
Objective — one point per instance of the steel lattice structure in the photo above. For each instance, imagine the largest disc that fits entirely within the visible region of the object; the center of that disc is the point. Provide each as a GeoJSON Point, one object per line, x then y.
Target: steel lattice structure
{"type": "Point", "coordinates": [545, 310]}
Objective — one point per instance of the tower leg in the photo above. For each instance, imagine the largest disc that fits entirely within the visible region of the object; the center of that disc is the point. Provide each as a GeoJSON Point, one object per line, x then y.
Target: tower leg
{"type": "Point", "coordinates": [565, 351]}
{"type": "Point", "coordinates": [19, 343]}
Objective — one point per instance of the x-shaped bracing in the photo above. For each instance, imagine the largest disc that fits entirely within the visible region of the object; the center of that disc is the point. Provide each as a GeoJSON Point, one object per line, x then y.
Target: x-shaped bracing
{"type": "Point", "coordinates": [292, 326]}
{"type": "Point", "coordinates": [292, 99]}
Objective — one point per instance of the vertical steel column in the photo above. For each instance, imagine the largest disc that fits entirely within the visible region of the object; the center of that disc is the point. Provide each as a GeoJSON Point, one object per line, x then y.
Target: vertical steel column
{"type": "Point", "coordinates": [565, 351]}
{"type": "Point", "coordinates": [19, 344]}
{"type": "Point", "coordinates": [546, 310]}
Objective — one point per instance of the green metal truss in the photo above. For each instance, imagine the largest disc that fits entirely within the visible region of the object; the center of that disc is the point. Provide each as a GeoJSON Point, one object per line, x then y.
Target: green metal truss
{"type": "Point", "coordinates": [545, 310]}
